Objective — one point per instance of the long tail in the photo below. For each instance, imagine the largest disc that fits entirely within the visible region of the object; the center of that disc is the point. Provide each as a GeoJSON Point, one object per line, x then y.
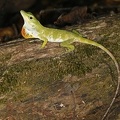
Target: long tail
{"type": "Point", "coordinates": [84, 40]}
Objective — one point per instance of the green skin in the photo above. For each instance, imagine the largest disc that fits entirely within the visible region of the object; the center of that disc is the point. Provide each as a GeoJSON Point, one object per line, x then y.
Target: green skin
{"type": "Point", "coordinates": [34, 29]}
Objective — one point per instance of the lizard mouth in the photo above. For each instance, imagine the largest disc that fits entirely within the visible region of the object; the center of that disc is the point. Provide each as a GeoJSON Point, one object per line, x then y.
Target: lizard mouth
{"type": "Point", "coordinates": [26, 15]}
{"type": "Point", "coordinates": [23, 13]}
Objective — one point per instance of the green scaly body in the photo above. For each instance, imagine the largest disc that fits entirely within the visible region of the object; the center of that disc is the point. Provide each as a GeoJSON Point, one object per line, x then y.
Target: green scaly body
{"type": "Point", "coordinates": [32, 28]}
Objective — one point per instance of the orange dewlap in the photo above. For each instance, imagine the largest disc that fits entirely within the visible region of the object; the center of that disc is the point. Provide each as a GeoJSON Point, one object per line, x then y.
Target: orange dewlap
{"type": "Point", "coordinates": [25, 34]}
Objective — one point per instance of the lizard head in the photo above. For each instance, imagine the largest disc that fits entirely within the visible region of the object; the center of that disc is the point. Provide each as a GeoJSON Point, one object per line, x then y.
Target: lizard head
{"type": "Point", "coordinates": [30, 25]}
{"type": "Point", "coordinates": [29, 18]}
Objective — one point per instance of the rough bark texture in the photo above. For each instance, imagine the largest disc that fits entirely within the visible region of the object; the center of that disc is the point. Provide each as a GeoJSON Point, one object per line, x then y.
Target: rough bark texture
{"type": "Point", "coordinates": [49, 84]}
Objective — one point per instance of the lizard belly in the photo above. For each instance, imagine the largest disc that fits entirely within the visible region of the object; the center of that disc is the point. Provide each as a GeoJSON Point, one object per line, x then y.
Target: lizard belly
{"type": "Point", "coordinates": [51, 39]}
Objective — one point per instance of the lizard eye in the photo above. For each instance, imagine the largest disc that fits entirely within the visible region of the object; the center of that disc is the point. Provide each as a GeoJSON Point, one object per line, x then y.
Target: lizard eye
{"type": "Point", "coordinates": [31, 17]}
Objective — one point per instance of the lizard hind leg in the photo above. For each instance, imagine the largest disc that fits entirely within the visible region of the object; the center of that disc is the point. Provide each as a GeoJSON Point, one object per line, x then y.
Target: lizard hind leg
{"type": "Point", "coordinates": [67, 44]}
{"type": "Point", "coordinates": [76, 32]}
{"type": "Point", "coordinates": [44, 42]}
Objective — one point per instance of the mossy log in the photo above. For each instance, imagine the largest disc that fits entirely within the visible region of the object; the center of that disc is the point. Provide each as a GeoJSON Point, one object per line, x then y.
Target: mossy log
{"type": "Point", "coordinates": [50, 84]}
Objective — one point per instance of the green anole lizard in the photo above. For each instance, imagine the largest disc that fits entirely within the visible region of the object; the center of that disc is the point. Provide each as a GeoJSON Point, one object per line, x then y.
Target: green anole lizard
{"type": "Point", "coordinates": [32, 28]}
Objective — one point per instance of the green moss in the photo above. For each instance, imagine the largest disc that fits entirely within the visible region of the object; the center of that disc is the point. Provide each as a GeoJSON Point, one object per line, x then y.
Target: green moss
{"type": "Point", "coordinates": [41, 73]}
{"type": "Point", "coordinates": [5, 57]}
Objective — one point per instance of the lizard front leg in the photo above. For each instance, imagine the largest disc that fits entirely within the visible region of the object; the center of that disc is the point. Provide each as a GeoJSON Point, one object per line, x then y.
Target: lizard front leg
{"type": "Point", "coordinates": [45, 40]}
{"type": "Point", "coordinates": [68, 45]}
